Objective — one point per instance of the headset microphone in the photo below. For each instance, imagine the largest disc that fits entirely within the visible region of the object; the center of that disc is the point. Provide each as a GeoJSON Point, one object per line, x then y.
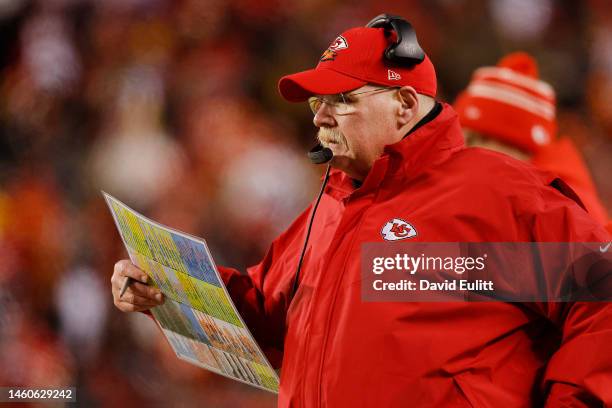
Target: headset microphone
{"type": "Point", "coordinates": [320, 154]}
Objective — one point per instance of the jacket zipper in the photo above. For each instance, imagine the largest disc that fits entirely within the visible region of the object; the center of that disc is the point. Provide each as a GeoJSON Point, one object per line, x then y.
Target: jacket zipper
{"type": "Point", "coordinates": [334, 297]}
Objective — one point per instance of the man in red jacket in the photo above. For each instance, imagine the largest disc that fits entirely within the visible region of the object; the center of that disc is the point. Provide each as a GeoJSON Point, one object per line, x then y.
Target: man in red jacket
{"type": "Point", "coordinates": [399, 154]}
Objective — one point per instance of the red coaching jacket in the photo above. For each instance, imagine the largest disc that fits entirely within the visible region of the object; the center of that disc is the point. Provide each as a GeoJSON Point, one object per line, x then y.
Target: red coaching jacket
{"type": "Point", "coordinates": [338, 351]}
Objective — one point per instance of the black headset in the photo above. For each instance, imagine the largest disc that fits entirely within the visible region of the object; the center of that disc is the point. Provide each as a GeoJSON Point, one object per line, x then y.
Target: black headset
{"type": "Point", "coordinates": [405, 51]}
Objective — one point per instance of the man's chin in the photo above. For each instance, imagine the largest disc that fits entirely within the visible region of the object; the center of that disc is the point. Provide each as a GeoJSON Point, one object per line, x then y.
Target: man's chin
{"type": "Point", "coordinates": [338, 149]}
{"type": "Point", "coordinates": [345, 165]}
{"type": "Point", "coordinates": [341, 162]}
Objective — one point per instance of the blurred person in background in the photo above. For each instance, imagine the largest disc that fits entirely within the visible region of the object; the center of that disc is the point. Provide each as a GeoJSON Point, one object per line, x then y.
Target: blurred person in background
{"type": "Point", "coordinates": [396, 152]}
{"type": "Point", "coordinates": [507, 108]}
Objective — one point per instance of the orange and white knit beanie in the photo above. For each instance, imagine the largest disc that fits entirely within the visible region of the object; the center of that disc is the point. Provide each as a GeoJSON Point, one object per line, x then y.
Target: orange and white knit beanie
{"type": "Point", "coordinates": [510, 103]}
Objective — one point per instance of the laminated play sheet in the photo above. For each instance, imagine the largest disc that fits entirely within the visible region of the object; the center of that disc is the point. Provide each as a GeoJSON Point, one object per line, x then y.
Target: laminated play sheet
{"type": "Point", "coordinates": [198, 317]}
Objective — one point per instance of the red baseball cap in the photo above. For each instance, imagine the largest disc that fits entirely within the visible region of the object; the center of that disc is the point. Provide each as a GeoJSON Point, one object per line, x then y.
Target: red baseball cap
{"type": "Point", "coordinates": [354, 59]}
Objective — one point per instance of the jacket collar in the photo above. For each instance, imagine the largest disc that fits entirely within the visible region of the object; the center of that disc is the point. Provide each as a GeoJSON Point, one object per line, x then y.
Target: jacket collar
{"type": "Point", "coordinates": [429, 145]}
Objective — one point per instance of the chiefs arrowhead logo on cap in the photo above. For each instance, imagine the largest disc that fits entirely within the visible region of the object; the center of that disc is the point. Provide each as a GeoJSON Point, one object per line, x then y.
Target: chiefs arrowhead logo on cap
{"type": "Point", "coordinates": [339, 43]}
{"type": "Point", "coordinates": [397, 229]}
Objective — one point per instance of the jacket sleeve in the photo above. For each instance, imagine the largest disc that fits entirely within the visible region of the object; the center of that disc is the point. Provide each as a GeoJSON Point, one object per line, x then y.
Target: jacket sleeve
{"type": "Point", "coordinates": [262, 295]}
{"type": "Point", "coordinates": [579, 373]}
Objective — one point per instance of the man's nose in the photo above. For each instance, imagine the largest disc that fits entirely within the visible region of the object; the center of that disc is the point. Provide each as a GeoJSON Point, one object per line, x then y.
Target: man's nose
{"type": "Point", "coordinates": [324, 117]}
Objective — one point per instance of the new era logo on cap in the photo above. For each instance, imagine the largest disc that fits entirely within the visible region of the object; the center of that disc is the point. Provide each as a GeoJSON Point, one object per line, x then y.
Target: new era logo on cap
{"type": "Point", "coordinates": [393, 76]}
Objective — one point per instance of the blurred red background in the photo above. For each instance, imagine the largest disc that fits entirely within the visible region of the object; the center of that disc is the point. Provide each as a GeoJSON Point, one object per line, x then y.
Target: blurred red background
{"type": "Point", "coordinates": [172, 107]}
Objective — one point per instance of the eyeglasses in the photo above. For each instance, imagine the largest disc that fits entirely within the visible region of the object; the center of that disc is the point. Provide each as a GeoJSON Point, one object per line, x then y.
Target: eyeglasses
{"type": "Point", "coordinates": [342, 103]}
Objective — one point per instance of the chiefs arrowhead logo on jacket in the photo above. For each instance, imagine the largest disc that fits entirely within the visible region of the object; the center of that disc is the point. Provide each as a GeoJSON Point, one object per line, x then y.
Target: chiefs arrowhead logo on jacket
{"type": "Point", "coordinates": [397, 229]}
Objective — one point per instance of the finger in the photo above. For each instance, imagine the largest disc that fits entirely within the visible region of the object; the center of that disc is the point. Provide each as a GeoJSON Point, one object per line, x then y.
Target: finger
{"type": "Point", "coordinates": [130, 297]}
{"type": "Point", "coordinates": [119, 281]}
{"type": "Point", "coordinates": [126, 268]}
{"type": "Point", "coordinates": [130, 307]}
{"type": "Point", "coordinates": [146, 291]}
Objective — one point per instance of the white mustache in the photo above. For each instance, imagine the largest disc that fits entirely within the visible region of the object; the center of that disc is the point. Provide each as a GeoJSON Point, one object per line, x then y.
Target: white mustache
{"type": "Point", "coordinates": [327, 136]}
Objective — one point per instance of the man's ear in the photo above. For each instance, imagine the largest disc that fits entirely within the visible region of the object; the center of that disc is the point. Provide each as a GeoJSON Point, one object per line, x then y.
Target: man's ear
{"type": "Point", "coordinates": [409, 106]}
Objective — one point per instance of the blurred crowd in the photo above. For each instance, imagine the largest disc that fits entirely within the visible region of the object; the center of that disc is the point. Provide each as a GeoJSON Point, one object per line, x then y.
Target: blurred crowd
{"type": "Point", "coordinates": [171, 106]}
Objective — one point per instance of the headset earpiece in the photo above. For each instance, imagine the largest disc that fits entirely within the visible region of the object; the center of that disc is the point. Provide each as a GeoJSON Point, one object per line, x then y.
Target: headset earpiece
{"type": "Point", "coordinates": [406, 50]}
